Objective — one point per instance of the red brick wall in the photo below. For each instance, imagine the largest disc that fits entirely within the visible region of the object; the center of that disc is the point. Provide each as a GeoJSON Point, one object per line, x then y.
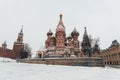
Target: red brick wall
{"type": "Point", "coordinates": [7, 53]}
{"type": "Point", "coordinates": [11, 53]}
{"type": "Point", "coordinates": [16, 49]}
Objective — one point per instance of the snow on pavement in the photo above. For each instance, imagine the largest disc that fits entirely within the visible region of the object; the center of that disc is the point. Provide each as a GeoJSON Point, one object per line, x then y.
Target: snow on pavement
{"type": "Point", "coordinates": [21, 71]}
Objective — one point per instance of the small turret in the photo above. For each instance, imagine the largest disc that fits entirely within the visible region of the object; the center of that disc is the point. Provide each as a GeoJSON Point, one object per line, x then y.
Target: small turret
{"type": "Point", "coordinates": [115, 43]}
{"type": "Point", "coordinates": [4, 45]}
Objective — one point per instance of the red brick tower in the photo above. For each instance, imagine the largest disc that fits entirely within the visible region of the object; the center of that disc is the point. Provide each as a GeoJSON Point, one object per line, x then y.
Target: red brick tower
{"type": "Point", "coordinates": [18, 45]}
{"type": "Point", "coordinates": [60, 37]}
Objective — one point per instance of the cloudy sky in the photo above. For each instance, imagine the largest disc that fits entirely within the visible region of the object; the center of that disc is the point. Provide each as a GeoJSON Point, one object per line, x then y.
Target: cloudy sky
{"type": "Point", "coordinates": [101, 17]}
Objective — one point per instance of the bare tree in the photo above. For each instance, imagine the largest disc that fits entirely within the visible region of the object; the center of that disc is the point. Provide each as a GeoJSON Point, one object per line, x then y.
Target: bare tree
{"type": "Point", "coordinates": [26, 51]}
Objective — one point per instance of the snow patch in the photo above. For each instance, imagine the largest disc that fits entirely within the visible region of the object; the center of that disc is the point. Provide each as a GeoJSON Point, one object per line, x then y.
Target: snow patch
{"type": "Point", "coordinates": [3, 59]}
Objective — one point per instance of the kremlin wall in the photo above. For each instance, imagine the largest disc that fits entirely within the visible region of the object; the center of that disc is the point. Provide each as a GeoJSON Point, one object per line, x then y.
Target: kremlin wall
{"type": "Point", "coordinates": [17, 46]}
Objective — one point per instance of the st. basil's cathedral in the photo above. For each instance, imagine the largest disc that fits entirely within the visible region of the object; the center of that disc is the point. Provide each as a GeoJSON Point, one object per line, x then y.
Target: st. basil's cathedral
{"type": "Point", "coordinates": [61, 45]}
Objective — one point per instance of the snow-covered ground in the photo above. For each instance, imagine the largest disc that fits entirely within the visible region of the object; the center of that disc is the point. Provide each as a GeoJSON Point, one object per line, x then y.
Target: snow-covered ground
{"type": "Point", "coordinates": [21, 71]}
{"type": "Point", "coordinates": [2, 59]}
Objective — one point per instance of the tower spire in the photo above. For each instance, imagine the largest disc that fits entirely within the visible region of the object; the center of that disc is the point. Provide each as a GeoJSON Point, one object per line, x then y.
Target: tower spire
{"type": "Point", "coordinates": [21, 29]}
{"type": "Point", "coordinates": [20, 36]}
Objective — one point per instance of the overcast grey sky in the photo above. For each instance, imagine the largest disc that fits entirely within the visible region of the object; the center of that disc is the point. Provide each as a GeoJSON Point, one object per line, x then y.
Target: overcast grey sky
{"type": "Point", "coordinates": [101, 17]}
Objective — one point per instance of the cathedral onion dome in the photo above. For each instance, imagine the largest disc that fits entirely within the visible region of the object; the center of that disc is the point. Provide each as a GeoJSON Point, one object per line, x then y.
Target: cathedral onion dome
{"type": "Point", "coordinates": [50, 32]}
{"type": "Point", "coordinates": [75, 32]}
{"type": "Point", "coordinates": [60, 26]}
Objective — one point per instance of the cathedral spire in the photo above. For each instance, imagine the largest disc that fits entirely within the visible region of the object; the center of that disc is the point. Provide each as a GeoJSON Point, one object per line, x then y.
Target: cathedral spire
{"type": "Point", "coordinates": [85, 36]}
{"type": "Point", "coordinates": [61, 16]}
{"type": "Point", "coordinates": [60, 26]}
{"type": "Point", "coordinates": [85, 33]}
{"type": "Point", "coordinates": [60, 20]}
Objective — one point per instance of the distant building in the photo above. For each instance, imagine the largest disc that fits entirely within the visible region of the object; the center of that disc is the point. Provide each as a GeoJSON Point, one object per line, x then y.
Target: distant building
{"type": "Point", "coordinates": [61, 45]}
{"type": "Point", "coordinates": [17, 46]}
{"type": "Point", "coordinates": [111, 55]}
